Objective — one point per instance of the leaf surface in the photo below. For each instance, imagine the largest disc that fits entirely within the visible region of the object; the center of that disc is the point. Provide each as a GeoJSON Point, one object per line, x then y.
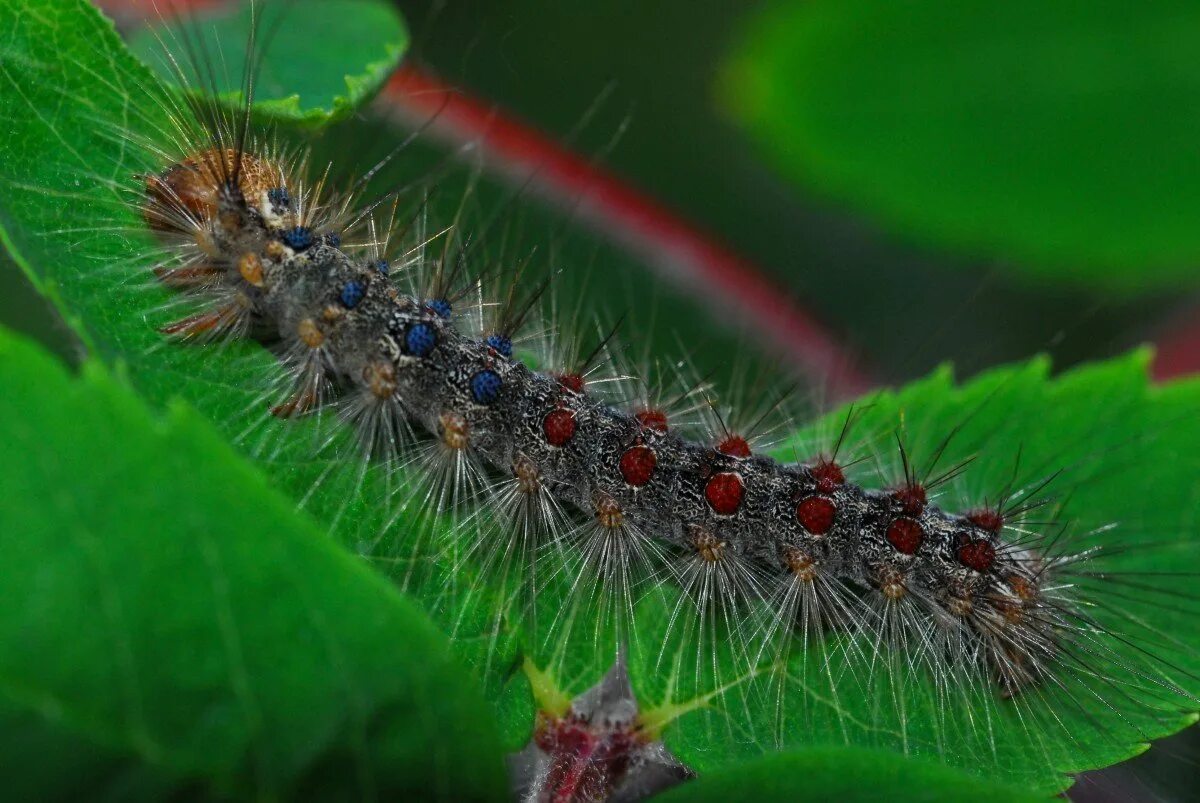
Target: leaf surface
{"type": "Point", "coordinates": [173, 627]}
{"type": "Point", "coordinates": [851, 775]}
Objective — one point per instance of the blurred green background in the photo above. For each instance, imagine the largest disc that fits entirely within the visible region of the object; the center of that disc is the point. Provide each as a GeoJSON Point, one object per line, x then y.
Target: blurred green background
{"type": "Point", "coordinates": [964, 181]}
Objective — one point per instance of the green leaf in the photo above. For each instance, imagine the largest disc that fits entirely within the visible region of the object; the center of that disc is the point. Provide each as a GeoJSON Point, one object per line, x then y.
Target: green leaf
{"type": "Point", "coordinates": [168, 610]}
{"type": "Point", "coordinates": [340, 52]}
{"type": "Point", "coordinates": [1058, 136]}
{"type": "Point", "coordinates": [849, 775]}
{"type": "Point", "coordinates": [1129, 453]}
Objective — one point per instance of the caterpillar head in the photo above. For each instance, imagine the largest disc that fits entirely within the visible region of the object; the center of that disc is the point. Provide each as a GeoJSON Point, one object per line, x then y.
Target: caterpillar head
{"type": "Point", "coordinates": [207, 184]}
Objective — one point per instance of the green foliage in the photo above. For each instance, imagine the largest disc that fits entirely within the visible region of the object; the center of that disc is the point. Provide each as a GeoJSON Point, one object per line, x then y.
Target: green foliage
{"type": "Point", "coordinates": [66, 221]}
{"type": "Point", "coordinates": [848, 775]}
{"type": "Point", "coordinates": [175, 618]}
{"type": "Point", "coordinates": [361, 42]}
{"type": "Point", "coordinates": [1059, 136]}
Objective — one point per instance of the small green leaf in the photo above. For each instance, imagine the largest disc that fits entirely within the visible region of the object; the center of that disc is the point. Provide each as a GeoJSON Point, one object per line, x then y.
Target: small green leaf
{"type": "Point", "coordinates": [329, 58]}
{"type": "Point", "coordinates": [845, 774]}
{"type": "Point", "coordinates": [167, 608]}
{"type": "Point", "coordinates": [1059, 136]}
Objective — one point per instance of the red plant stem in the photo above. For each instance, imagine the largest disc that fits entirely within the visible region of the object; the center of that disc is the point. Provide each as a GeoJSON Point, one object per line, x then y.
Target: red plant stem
{"type": "Point", "coordinates": [676, 250]}
{"type": "Point", "coordinates": [1178, 352]}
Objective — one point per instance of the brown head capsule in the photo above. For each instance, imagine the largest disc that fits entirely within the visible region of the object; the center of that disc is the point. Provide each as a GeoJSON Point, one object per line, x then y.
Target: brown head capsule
{"type": "Point", "coordinates": [189, 190]}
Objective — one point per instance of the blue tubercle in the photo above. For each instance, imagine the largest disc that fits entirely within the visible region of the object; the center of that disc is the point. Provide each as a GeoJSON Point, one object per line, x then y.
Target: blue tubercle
{"type": "Point", "coordinates": [501, 344]}
{"type": "Point", "coordinates": [420, 340]}
{"type": "Point", "coordinates": [352, 293]}
{"type": "Point", "coordinates": [279, 197]}
{"type": "Point", "coordinates": [297, 239]}
{"type": "Point", "coordinates": [485, 386]}
{"type": "Point", "coordinates": [334, 239]}
{"type": "Point", "coordinates": [440, 306]}
{"type": "Point", "coordinates": [381, 265]}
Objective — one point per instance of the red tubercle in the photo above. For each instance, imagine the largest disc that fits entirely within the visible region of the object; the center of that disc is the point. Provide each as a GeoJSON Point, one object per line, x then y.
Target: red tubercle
{"type": "Point", "coordinates": [976, 554]}
{"type": "Point", "coordinates": [677, 250]}
{"type": "Point", "coordinates": [816, 514]}
{"type": "Point", "coordinates": [905, 535]}
{"type": "Point", "coordinates": [912, 498]}
{"type": "Point", "coordinates": [652, 418]}
{"type": "Point", "coordinates": [559, 427]}
{"type": "Point", "coordinates": [828, 474]}
{"type": "Point", "coordinates": [734, 446]}
{"type": "Point", "coordinates": [1177, 346]}
{"type": "Point", "coordinates": [987, 519]}
{"type": "Point", "coordinates": [572, 382]}
{"type": "Point", "coordinates": [637, 465]}
{"type": "Point", "coordinates": [724, 492]}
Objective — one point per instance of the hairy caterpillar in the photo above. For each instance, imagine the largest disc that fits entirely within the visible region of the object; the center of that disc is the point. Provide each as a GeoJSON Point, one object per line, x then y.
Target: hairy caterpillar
{"type": "Point", "coordinates": [772, 557]}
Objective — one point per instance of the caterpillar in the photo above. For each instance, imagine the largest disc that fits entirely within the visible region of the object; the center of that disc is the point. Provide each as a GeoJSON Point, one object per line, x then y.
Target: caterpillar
{"type": "Point", "coordinates": [263, 262]}
{"type": "Point", "coordinates": [560, 479]}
